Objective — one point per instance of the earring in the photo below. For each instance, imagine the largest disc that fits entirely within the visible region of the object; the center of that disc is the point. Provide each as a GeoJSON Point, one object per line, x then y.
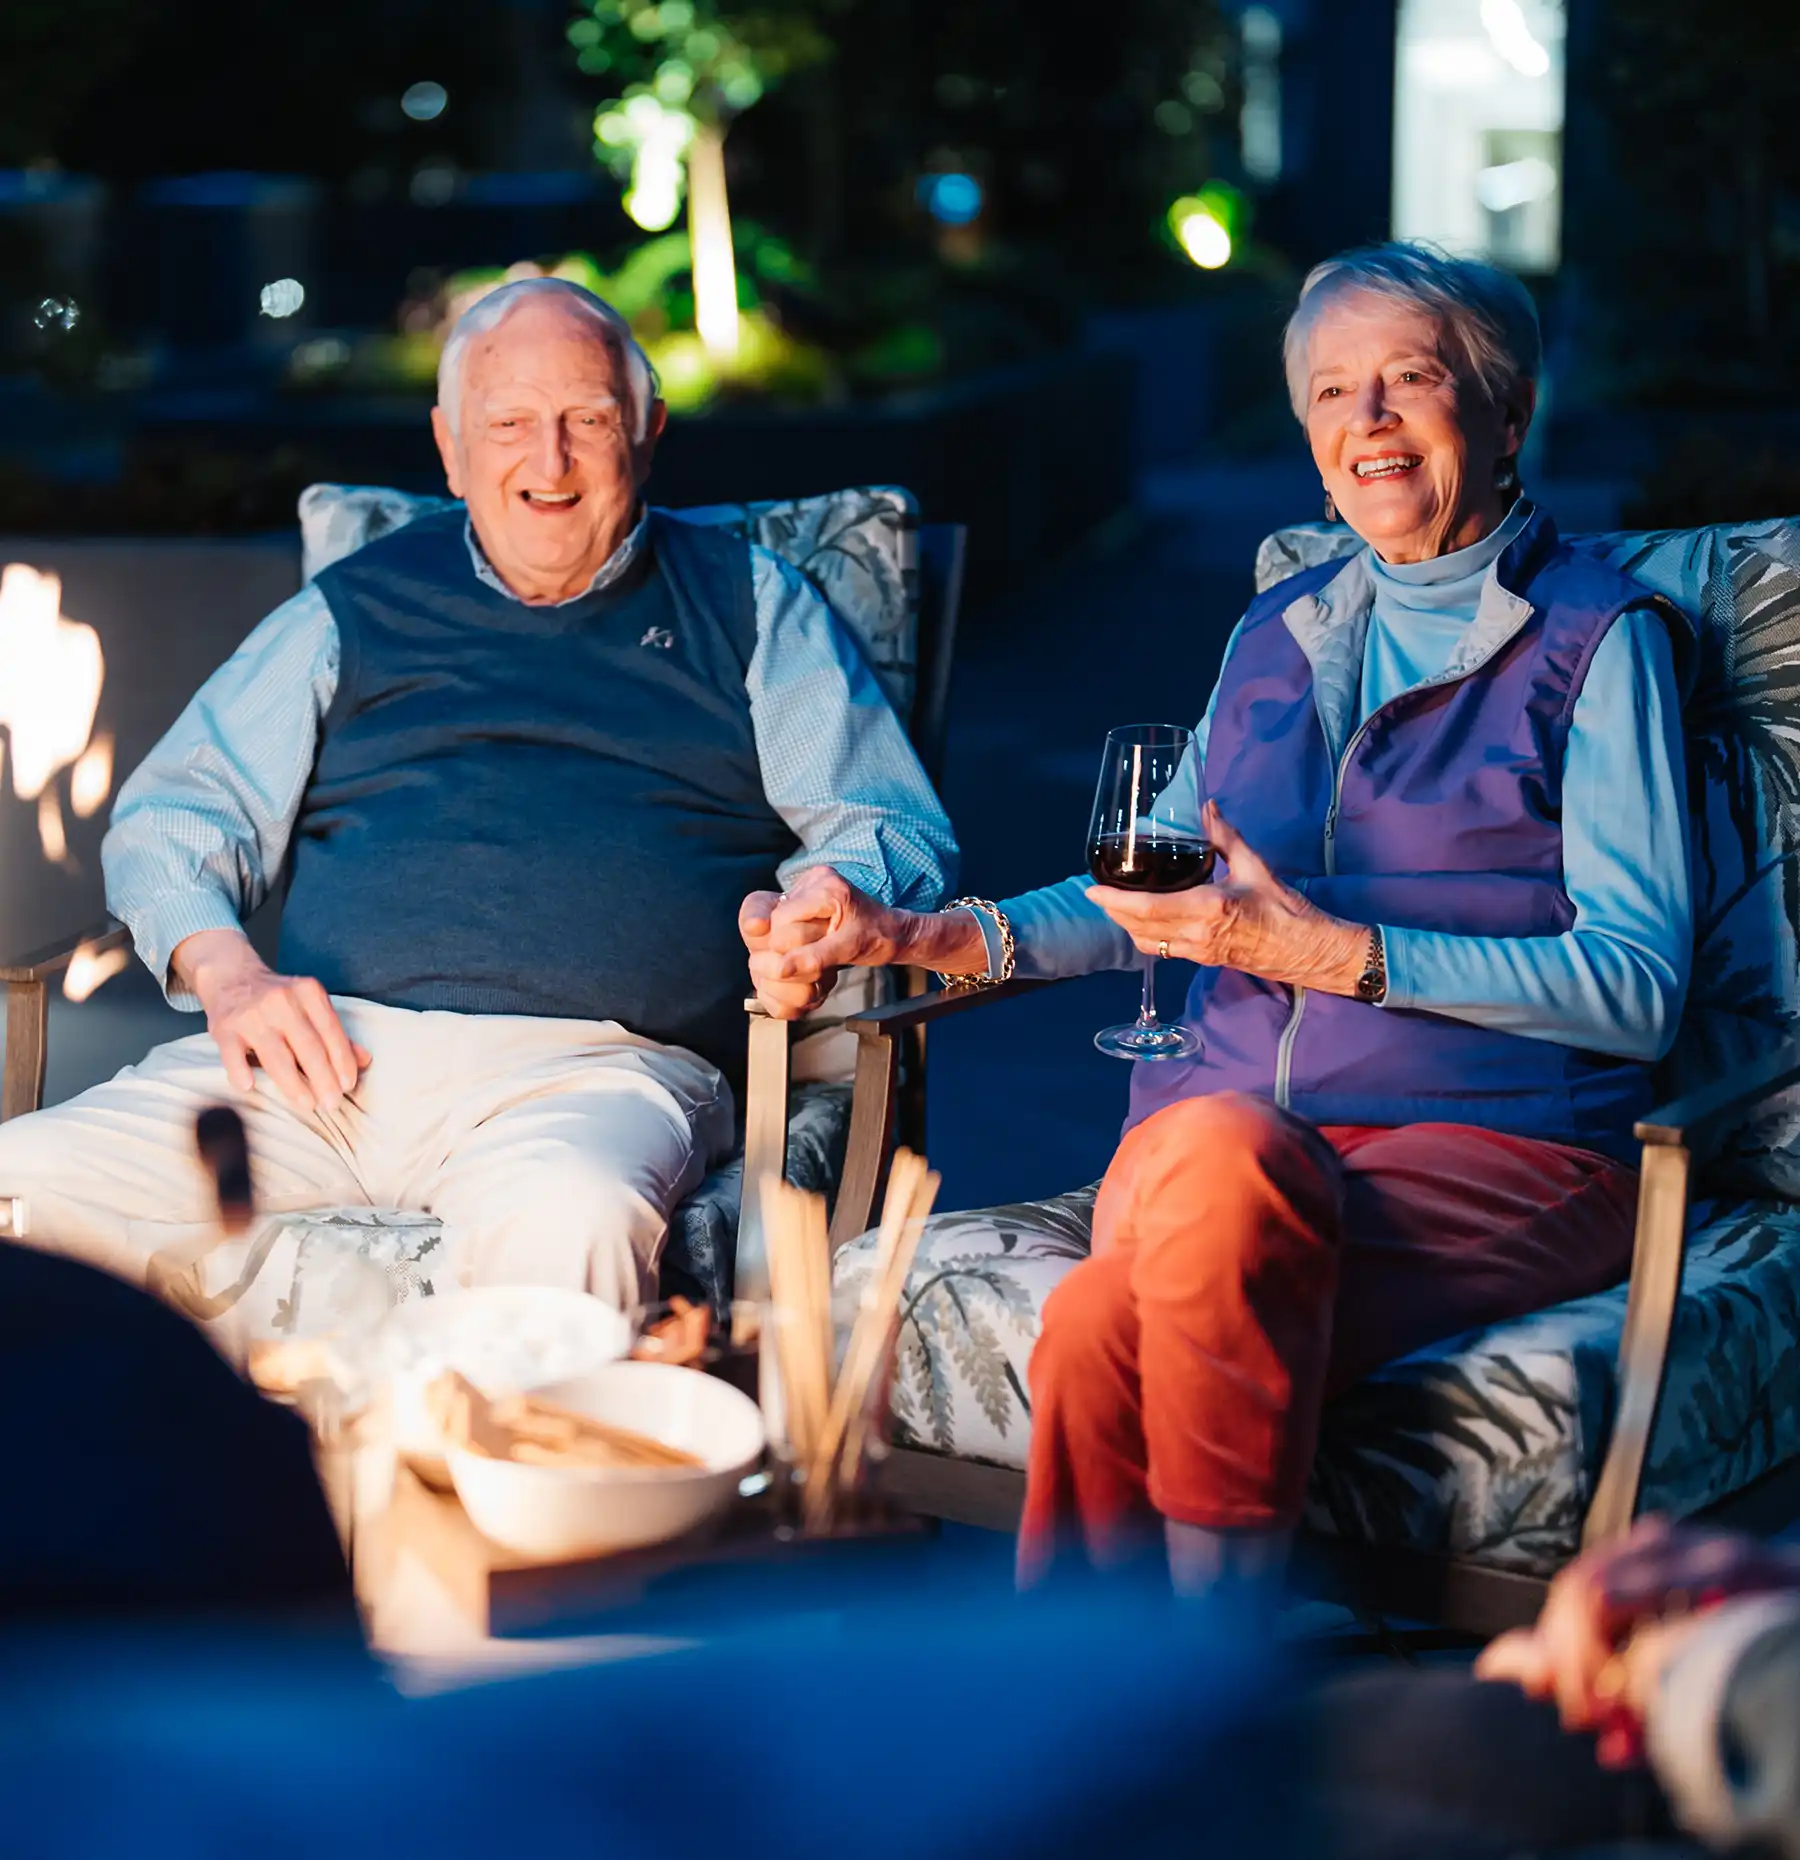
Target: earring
{"type": "Point", "coordinates": [1331, 515]}
{"type": "Point", "coordinates": [1506, 474]}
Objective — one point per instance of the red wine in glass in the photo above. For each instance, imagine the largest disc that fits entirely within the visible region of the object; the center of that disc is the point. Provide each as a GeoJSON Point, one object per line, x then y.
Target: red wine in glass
{"type": "Point", "coordinates": [1145, 836]}
{"type": "Point", "coordinates": [1150, 865]}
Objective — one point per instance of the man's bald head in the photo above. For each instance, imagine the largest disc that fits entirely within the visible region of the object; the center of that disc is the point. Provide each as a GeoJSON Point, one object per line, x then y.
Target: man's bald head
{"type": "Point", "coordinates": [487, 314]}
{"type": "Point", "coordinates": [546, 421]}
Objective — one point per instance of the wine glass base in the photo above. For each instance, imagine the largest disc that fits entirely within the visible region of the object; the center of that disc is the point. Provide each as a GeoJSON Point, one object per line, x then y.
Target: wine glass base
{"type": "Point", "coordinates": [1158, 1040]}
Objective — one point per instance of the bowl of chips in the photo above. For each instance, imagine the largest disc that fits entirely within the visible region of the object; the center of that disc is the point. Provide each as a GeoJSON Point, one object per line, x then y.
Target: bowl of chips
{"type": "Point", "coordinates": [633, 1453]}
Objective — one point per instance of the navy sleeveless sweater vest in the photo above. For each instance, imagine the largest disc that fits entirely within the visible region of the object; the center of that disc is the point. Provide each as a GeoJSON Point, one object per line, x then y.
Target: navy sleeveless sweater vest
{"type": "Point", "coordinates": [1444, 812]}
{"type": "Point", "coordinates": [552, 811]}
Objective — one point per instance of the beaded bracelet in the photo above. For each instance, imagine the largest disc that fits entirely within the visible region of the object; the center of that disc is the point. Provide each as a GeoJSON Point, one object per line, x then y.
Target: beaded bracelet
{"type": "Point", "coordinates": [1008, 948]}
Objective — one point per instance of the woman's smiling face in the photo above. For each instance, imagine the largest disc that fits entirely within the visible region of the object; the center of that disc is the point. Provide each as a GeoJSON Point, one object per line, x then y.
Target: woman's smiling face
{"type": "Point", "coordinates": [1407, 450]}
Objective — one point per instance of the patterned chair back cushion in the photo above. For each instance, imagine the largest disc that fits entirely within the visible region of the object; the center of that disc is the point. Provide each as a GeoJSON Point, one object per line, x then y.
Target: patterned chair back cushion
{"type": "Point", "coordinates": [1740, 584]}
{"type": "Point", "coordinates": [859, 548]}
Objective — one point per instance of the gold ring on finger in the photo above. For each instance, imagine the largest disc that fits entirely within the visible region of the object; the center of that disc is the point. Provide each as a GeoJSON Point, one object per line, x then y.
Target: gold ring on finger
{"type": "Point", "coordinates": [1162, 950]}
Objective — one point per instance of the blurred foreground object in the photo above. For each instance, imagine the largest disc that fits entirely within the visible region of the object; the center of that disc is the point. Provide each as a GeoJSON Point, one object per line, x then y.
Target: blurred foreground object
{"type": "Point", "coordinates": [154, 1480]}
{"type": "Point", "coordinates": [889, 1724]}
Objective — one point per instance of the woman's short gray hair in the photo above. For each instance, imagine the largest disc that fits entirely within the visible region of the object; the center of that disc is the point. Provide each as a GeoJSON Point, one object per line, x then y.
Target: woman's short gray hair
{"type": "Point", "coordinates": [1489, 323]}
{"type": "Point", "coordinates": [489, 312]}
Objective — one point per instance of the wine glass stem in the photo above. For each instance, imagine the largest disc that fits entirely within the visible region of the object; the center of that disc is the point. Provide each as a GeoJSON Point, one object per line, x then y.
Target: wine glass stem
{"type": "Point", "coordinates": [1147, 1011]}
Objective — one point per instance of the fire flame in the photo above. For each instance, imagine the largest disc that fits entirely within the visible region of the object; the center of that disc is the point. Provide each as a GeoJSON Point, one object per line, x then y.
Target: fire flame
{"type": "Point", "coordinates": [51, 670]}
{"type": "Point", "coordinates": [90, 781]}
{"type": "Point", "coordinates": [52, 835]}
{"type": "Point", "coordinates": [89, 969]}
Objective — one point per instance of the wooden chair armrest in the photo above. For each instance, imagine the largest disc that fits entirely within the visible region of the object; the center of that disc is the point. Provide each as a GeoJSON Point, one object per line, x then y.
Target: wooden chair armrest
{"type": "Point", "coordinates": [878, 1036]}
{"type": "Point", "coordinates": [1703, 1119]}
{"type": "Point", "coordinates": [41, 964]}
{"type": "Point", "coordinates": [765, 1144]}
{"type": "Point", "coordinates": [28, 1020]}
{"type": "Point", "coordinates": [897, 1017]}
{"type": "Point", "coordinates": [1674, 1136]}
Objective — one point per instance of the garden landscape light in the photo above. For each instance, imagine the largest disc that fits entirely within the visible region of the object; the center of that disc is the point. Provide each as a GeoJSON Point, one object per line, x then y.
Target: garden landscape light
{"type": "Point", "coordinates": [282, 298]}
{"type": "Point", "coordinates": [424, 103]}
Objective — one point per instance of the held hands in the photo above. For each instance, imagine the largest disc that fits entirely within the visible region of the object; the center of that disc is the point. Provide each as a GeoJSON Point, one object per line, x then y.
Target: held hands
{"type": "Point", "coordinates": [1616, 1617]}
{"type": "Point", "coordinates": [285, 1023]}
{"type": "Point", "coordinates": [1252, 922]}
{"type": "Point", "coordinates": [799, 939]}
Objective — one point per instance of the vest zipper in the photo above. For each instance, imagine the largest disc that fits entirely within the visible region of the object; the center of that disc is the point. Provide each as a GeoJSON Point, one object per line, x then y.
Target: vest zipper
{"type": "Point", "coordinates": [1337, 789]}
{"type": "Point", "coordinates": [1284, 1051]}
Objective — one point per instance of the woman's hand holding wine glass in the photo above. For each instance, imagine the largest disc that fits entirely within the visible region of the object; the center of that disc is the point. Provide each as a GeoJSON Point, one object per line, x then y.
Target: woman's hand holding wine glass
{"type": "Point", "coordinates": [1249, 921]}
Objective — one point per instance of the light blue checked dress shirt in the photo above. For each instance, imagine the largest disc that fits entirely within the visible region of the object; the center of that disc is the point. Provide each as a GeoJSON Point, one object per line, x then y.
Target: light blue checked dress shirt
{"type": "Point", "coordinates": [201, 829]}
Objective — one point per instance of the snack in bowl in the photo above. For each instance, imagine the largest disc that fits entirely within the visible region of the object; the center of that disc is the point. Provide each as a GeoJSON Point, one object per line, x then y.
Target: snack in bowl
{"type": "Point", "coordinates": [637, 1453]}
{"type": "Point", "coordinates": [536, 1432]}
{"type": "Point", "coordinates": [504, 1339]}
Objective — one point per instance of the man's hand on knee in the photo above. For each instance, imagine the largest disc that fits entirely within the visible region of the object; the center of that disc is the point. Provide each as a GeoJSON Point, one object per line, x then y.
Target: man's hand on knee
{"type": "Point", "coordinates": [283, 1023]}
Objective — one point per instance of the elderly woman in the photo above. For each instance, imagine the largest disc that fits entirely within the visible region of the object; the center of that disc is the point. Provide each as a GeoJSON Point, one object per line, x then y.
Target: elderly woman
{"type": "Point", "coordinates": [1447, 788]}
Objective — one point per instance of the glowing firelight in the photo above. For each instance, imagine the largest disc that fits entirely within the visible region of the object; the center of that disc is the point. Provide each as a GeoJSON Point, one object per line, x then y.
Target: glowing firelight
{"type": "Point", "coordinates": [51, 670]}
{"type": "Point", "coordinates": [90, 781]}
{"type": "Point", "coordinates": [53, 836]}
{"type": "Point", "coordinates": [90, 969]}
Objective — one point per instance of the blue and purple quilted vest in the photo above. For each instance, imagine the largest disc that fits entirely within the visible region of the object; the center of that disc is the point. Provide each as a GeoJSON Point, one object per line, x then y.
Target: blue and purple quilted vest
{"type": "Point", "coordinates": [1442, 811]}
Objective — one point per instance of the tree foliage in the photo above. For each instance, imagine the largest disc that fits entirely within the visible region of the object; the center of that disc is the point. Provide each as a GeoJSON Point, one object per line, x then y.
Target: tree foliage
{"type": "Point", "coordinates": [54, 54]}
{"type": "Point", "coordinates": [1702, 107]}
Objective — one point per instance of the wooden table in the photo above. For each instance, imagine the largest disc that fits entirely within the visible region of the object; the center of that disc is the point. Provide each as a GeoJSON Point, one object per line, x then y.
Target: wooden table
{"type": "Point", "coordinates": [445, 1606]}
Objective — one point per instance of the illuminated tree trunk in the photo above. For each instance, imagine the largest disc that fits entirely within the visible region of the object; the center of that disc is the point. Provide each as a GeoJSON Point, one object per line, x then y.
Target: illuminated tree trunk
{"type": "Point", "coordinates": [709, 236]}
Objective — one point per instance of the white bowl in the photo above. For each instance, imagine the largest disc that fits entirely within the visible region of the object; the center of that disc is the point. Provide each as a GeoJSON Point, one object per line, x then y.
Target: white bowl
{"type": "Point", "coordinates": [506, 1339]}
{"type": "Point", "coordinates": [555, 1513]}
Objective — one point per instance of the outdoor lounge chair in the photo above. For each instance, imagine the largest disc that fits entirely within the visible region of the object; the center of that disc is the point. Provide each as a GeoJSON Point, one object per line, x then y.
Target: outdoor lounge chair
{"type": "Point", "coordinates": [897, 586]}
{"type": "Point", "coordinates": [1449, 1486]}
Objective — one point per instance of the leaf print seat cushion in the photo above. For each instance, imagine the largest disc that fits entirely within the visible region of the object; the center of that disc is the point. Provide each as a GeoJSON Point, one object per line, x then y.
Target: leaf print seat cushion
{"type": "Point", "coordinates": [1485, 1446]}
{"type": "Point", "coordinates": [1488, 1445]}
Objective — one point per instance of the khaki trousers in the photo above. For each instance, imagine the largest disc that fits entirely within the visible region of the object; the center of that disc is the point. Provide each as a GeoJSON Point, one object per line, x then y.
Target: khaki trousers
{"type": "Point", "coordinates": [553, 1151]}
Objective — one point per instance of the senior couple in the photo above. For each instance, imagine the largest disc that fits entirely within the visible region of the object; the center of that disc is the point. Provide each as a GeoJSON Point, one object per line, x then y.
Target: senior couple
{"type": "Point", "coordinates": [528, 771]}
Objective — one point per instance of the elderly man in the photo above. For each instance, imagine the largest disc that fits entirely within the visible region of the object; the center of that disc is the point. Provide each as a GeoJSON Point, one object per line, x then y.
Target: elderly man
{"type": "Point", "coordinates": [520, 768]}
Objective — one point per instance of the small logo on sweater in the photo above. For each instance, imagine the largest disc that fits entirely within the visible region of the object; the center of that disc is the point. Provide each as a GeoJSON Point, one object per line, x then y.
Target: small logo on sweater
{"type": "Point", "coordinates": [658, 636]}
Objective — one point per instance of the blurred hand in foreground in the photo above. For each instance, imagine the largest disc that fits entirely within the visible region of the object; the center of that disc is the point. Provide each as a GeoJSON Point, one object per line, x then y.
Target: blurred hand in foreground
{"type": "Point", "coordinates": [1616, 1616]}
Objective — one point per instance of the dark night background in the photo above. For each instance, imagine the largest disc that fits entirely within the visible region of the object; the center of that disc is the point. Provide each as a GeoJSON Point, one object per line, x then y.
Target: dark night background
{"type": "Point", "coordinates": [1105, 415]}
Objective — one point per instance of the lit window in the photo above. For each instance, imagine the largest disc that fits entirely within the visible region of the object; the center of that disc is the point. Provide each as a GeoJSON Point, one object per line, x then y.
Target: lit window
{"type": "Point", "coordinates": [1259, 122]}
{"type": "Point", "coordinates": [1478, 115]}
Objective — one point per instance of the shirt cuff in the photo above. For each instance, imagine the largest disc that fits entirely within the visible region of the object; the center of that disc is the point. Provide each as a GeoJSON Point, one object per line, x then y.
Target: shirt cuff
{"type": "Point", "coordinates": [1686, 1717]}
{"type": "Point", "coordinates": [990, 941]}
{"type": "Point", "coordinates": [159, 926]}
{"type": "Point", "coordinates": [1396, 952]}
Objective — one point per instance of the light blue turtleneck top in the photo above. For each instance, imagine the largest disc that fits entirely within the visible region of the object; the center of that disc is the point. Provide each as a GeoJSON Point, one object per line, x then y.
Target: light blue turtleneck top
{"type": "Point", "coordinates": [1615, 981]}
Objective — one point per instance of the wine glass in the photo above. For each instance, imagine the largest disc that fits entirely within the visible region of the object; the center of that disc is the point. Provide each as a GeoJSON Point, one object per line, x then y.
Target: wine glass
{"type": "Point", "coordinates": [1146, 836]}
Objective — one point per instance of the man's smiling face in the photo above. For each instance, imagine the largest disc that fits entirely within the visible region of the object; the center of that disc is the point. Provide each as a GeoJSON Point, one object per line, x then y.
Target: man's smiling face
{"type": "Point", "coordinates": [546, 452]}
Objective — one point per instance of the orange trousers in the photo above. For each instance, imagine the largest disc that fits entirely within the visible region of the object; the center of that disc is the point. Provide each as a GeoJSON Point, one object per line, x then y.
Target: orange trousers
{"type": "Point", "coordinates": [1247, 1266]}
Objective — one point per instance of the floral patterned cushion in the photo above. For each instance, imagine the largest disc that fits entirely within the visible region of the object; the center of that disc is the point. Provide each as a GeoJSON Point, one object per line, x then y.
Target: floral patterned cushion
{"type": "Point", "coordinates": [701, 1254]}
{"type": "Point", "coordinates": [1485, 1446]}
{"type": "Point", "coordinates": [1740, 584]}
{"type": "Point", "coordinates": [859, 548]}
